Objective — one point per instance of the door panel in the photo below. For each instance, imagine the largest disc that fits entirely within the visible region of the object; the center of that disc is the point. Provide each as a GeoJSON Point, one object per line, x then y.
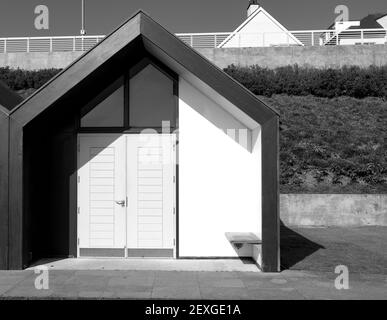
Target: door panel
{"type": "Point", "coordinates": [139, 168]}
{"type": "Point", "coordinates": [151, 191]}
{"type": "Point", "coordinates": [101, 170]}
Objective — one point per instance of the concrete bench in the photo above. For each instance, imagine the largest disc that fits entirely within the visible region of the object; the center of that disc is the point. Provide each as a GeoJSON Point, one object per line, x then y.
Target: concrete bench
{"type": "Point", "coordinates": [249, 239]}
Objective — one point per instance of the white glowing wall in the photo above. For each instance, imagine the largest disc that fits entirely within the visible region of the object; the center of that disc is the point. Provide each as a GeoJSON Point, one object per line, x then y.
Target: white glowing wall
{"type": "Point", "coordinates": [261, 31]}
{"type": "Point", "coordinates": [219, 180]}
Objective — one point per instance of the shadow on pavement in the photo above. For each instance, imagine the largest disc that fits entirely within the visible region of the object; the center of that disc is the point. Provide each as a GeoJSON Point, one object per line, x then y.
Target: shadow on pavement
{"type": "Point", "coordinates": [295, 247]}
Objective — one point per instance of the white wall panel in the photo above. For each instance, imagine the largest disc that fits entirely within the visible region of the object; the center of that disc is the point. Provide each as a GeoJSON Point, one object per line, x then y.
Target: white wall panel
{"type": "Point", "coordinates": [219, 179]}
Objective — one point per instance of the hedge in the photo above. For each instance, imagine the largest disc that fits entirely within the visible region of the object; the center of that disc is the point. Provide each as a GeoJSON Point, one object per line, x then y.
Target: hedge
{"type": "Point", "coordinates": [18, 79]}
{"type": "Point", "coordinates": [292, 80]}
{"type": "Point", "coordinates": [329, 83]}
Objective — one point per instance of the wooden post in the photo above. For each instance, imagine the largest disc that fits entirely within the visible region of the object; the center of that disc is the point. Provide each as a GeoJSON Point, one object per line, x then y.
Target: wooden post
{"type": "Point", "coordinates": [15, 237]}
{"type": "Point", "coordinates": [4, 188]}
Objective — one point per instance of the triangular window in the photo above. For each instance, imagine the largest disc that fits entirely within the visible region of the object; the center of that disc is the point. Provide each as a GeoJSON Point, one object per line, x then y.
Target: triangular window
{"type": "Point", "coordinates": [106, 111]}
{"type": "Point", "coordinates": [151, 99]}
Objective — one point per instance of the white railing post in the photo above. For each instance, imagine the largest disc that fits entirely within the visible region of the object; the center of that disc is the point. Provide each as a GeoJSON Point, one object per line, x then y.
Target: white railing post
{"type": "Point", "coordinates": [215, 41]}
{"type": "Point", "coordinates": [28, 45]}
{"type": "Point", "coordinates": [5, 46]}
{"type": "Point", "coordinates": [191, 40]}
{"type": "Point", "coordinates": [312, 39]}
{"type": "Point", "coordinates": [51, 45]}
{"type": "Point", "coordinates": [362, 36]}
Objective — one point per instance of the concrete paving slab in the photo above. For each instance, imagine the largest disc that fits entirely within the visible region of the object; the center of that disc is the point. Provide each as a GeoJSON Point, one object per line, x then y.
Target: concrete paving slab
{"type": "Point", "coordinates": [187, 292]}
{"type": "Point", "coordinates": [274, 294]}
{"type": "Point", "coordinates": [81, 280]}
{"type": "Point", "coordinates": [222, 283]}
{"type": "Point", "coordinates": [175, 279]}
{"type": "Point", "coordinates": [205, 265]}
{"type": "Point", "coordinates": [265, 284]}
{"type": "Point", "coordinates": [12, 279]}
{"type": "Point", "coordinates": [5, 288]}
{"type": "Point", "coordinates": [223, 293]}
{"type": "Point", "coordinates": [130, 281]}
{"type": "Point", "coordinates": [28, 292]}
{"type": "Point", "coordinates": [134, 292]}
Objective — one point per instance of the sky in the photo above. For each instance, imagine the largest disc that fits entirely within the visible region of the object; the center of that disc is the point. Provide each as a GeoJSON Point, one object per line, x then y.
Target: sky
{"type": "Point", "coordinates": [102, 16]}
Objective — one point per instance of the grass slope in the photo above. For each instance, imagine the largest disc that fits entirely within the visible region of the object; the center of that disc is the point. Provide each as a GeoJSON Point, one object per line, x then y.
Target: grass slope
{"type": "Point", "coordinates": [334, 145]}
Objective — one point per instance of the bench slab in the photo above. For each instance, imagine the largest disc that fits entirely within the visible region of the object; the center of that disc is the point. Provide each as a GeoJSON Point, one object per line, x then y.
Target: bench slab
{"type": "Point", "coordinates": [243, 237]}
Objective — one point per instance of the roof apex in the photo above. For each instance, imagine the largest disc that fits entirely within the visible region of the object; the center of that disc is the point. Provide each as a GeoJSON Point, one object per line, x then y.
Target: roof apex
{"type": "Point", "coordinates": [142, 27]}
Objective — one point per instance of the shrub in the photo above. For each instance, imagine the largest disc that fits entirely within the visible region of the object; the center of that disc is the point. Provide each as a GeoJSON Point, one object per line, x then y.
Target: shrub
{"type": "Point", "coordinates": [18, 79]}
{"type": "Point", "coordinates": [328, 83]}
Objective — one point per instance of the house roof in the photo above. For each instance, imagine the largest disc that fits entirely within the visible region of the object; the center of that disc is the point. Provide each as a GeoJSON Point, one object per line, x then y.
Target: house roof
{"type": "Point", "coordinates": [370, 21]}
{"type": "Point", "coordinates": [251, 17]}
{"type": "Point", "coordinates": [8, 98]}
{"type": "Point", "coordinates": [158, 42]}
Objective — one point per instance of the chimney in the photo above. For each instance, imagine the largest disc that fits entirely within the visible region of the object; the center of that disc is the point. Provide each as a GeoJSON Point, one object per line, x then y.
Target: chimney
{"type": "Point", "coordinates": [253, 5]}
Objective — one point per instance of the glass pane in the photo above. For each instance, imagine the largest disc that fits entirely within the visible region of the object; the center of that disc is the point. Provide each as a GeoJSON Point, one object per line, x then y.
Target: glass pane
{"type": "Point", "coordinates": [108, 113]}
{"type": "Point", "coordinates": [151, 99]}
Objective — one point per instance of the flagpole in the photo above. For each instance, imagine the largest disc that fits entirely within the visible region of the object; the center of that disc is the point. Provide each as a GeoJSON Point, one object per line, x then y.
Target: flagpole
{"type": "Point", "coordinates": [83, 30]}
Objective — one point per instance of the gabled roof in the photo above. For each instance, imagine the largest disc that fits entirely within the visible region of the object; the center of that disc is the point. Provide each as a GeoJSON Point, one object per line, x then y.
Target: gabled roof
{"type": "Point", "coordinates": [158, 42]}
{"type": "Point", "coordinates": [8, 98]}
{"type": "Point", "coordinates": [370, 21]}
{"type": "Point", "coordinates": [251, 17]}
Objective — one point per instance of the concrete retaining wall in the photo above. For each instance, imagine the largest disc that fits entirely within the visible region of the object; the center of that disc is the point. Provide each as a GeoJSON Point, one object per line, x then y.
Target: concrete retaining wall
{"type": "Point", "coordinates": [318, 57]}
{"type": "Point", "coordinates": [333, 209]}
{"type": "Point", "coordinates": [38, 60]}
{"type": "Point", "coordinates": [271, 57]}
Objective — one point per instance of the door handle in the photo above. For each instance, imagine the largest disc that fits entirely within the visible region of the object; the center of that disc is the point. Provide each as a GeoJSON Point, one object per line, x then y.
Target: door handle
{"type": "Point", "coordinates": [121, 203]}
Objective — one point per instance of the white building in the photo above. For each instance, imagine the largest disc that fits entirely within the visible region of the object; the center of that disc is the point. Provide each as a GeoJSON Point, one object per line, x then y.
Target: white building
{"type": "Point", "coordinates": [140, 148]}
{"type": "Point", "coordinates": [370, 30]}
{"type": "Point", "coordinates": [260, 29]}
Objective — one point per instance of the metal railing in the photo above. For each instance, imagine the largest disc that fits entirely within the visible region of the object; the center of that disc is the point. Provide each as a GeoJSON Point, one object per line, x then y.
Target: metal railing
{"type": "Point", "coordinates": [209, 40]}
{"type": "Point", "coordinates": [291, 38]}
{"type": "Point", "coordinates": [204, 40]}
{"type": "Point", "coordinates": [49, 44]}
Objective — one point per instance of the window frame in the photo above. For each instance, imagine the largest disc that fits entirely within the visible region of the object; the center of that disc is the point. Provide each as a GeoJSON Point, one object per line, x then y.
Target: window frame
{"type": "Point", "coordinates": [125, 81]}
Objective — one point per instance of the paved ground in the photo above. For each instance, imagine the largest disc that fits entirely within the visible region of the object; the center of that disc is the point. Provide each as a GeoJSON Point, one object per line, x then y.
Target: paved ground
{"type": "Point", "coordinates": [211, 265]}
{"type": "Point", "coordinates": [309, 258]}
{"type": "Point", "coordinates": [293, 285]}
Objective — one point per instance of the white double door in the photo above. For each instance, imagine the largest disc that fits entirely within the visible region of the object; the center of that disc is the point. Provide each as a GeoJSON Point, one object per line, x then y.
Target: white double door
{"type": "Point", "coordinates": [126, 194]}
